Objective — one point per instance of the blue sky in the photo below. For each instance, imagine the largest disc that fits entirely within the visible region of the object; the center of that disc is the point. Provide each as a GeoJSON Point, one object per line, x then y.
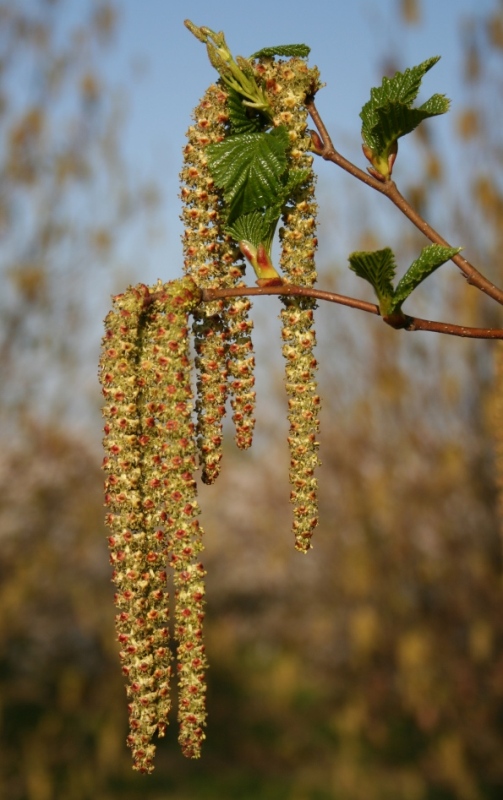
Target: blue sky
{"type": "Point", "coordinates": [165, 70]}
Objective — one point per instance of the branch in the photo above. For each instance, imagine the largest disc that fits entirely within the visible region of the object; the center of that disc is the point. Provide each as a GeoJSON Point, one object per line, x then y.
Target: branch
{"type": "Point", "coordinates": [208, 295]}
{"type": "Point", "coordinates": [404, 322]}
{"type": "Point", "coordinates": [389, 189]}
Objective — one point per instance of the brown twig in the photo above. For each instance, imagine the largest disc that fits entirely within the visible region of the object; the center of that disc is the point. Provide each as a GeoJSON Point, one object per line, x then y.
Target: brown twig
{"type": "Point", "coordinates": [208, 295]}
{"type": "Point", "coordinates": [389, 189]}
{"type": "Point", "coordinates": [418, 324]}
{"type": "Point", "coordinates": [406, 323]}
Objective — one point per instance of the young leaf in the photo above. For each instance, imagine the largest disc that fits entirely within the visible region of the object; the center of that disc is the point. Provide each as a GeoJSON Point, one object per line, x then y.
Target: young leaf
{"type": "Point", "coordinates": [388, 114]}
{"type": "Point", "coordinates": [432, 257]}
{"type": "Point", "coordinates": [243, 118]}
{"type": "Point", "coordinates": [395, 120]}
{"type": "Point", "coordinates": [378, 268]}
{"type": "Point", "coordinates": [403, 87]}
{"type": "Point", "coordinates": [237, 74]}
{"type": "Point", "coordinates": [249, 168]}
{"type": "Point", "coordinates": [283, 50]}
{"type": "Point", "coordinates": [257, 227]}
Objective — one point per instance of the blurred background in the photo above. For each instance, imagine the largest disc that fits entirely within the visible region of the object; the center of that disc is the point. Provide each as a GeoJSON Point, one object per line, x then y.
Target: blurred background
{"type": "Point", "coordinates": [372, 668]}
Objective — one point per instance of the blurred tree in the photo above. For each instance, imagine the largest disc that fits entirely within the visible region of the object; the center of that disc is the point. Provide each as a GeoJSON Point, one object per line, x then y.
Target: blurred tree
{"type": "Point", "coordinates": [65, 201]}
{"type": "Point", "coordinates": [64, 197]}
{"type": "Point", "coordinates": [58, 663]}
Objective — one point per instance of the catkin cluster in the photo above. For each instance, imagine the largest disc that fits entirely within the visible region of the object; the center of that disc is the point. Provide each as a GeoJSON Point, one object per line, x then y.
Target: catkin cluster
{"type": "Point", "coordinates": [152, 509]}
{"type": "Point", "coordinates": [224, 352]}
{"type": "Point", "coordinates": [288, 83]}
{"type": "Point", "coordinates": [154, 442]}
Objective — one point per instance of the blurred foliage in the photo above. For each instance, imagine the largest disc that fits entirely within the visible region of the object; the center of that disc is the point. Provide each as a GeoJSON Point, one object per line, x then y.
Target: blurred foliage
{"type": "Point", "coordinates": [371, 668]}
{"type": "Point", "coordinates": [64, 198]}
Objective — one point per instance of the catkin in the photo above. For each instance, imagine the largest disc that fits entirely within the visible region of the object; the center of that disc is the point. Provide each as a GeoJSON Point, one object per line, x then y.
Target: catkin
{"type": "Point", "coordinates": [145, 371]}
{"type": "Point", "coordinates": [222, 329]}
{"type": "Point", "coordinates": [167, 371]}
{"type": "Point", "coordinates": [288, 83]}
{"type": "Point", "coordinates": [139, 572]}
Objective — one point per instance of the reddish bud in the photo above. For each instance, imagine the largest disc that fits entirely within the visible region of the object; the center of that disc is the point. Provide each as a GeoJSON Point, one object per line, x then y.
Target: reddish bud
{"type": "Point", "coordinates": [317, 145]}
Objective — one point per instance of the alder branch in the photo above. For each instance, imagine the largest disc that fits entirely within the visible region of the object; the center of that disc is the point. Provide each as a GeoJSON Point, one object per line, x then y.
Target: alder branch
{"type": "Point", "coordinates": [402, 322]}
{"type": "Point", "coordinates": [288, 289]}
{"type": "Point", "coordinates": [390, 190]}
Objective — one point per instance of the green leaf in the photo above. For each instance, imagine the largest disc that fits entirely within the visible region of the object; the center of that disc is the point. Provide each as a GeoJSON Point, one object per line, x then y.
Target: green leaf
{"type": "Point", "coordinates": [283, 50]}
{"type": "Point", "coordinates": [243, 118]}
{"type": "Point", "coordinates": [437, 104]}
{"type": "Point", "coordinates": [432, 257]}
{"type": "Point", "coordinates": [378, 268]}
{"type": "Point", "coordinates": [395, 120]}
{"type": "Point", "coordinates": [257, 227]}
{"type": "Point", "coordinates": [388, 114]}
{"type": "Point", "coordinates": [249, 168]}
{"type": "Point", "coordinates": [403, 87]}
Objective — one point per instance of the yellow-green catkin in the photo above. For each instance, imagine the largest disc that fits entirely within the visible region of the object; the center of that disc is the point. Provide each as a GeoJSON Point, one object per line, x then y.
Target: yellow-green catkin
{"type": "Point", "coordinates": [222, 329]}
{"type": "Point", "coordinates": [241, 368]}
{"type": "Point", "coordinates": [287, 84]}
{"type": "Point", "coordinates": [167, 370]}
{"type": "Point", "coordinates": [145, 372]}
{"type": "Point", "coordinates": [139, 571]}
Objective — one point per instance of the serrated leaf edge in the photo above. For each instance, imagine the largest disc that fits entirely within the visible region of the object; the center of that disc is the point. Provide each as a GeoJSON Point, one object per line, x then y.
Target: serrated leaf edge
{"type": "Point", "coordinates": [262, 155]}
{"type": "Point", "coordinates": [284, 51]}
{"type": "Point", "coordinates": [378, 268]}
{"type": "Point", "coordinates": [409, 282]}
